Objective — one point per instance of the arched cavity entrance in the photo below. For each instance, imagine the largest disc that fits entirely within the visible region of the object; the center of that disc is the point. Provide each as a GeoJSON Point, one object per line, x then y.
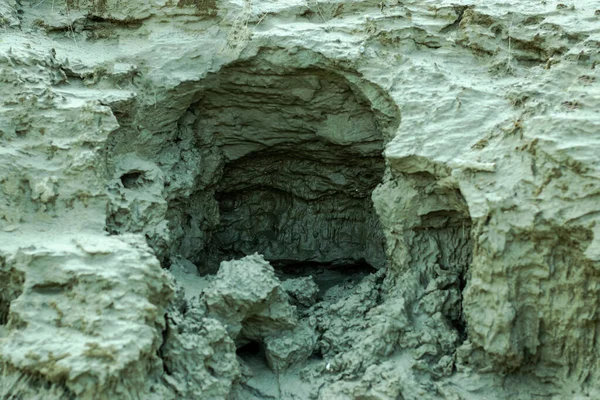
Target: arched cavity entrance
{"type": "Point", "coordinates": [294, 154]}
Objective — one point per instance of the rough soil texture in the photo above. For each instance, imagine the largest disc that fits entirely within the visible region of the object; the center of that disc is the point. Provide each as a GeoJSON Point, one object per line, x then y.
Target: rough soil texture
{"type": "Point", "coordinates": [293, 199]}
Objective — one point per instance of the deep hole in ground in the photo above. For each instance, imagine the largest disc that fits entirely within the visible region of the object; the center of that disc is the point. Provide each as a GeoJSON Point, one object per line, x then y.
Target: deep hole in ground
{"type": "Point", "coordinates": [289, 160]}
{"type": "Point", "coordinates": [132, 179]}
{"type": "Point", "coordinates": [302, 207]}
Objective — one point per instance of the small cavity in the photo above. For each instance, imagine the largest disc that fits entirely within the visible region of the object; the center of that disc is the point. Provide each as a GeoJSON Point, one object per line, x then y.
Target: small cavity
{"type": "Point", "coordinates": [132, 179]}
{"type": "Point", "coordinates": [250, 350]}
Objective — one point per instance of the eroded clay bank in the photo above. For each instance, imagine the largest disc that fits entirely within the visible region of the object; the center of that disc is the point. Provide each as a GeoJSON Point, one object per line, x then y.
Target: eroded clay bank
{"type": "Point", "coordinates": [299, 200]}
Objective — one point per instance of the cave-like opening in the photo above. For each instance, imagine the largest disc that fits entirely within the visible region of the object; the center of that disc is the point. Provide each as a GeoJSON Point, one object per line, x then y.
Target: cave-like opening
{"type": "Point", "coordinates": [294, 155]}
{"type": "Point", "coordinates": [251, 349]}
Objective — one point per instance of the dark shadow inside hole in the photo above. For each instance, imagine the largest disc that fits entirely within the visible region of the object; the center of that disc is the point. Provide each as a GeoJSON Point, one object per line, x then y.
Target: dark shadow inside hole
{"type": "Point", "coordinates": [307, 203]}
{"type": "Point", "coordinates": [250, 350]}
{"type": "Point", "coordinates": [4, 311]}
{"type": "Point", "coordinates": [132, 179]}
{"type": "Point", "coordinates": [317, 354]}
{"type": "Point", "coordinates": [460, 324]}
